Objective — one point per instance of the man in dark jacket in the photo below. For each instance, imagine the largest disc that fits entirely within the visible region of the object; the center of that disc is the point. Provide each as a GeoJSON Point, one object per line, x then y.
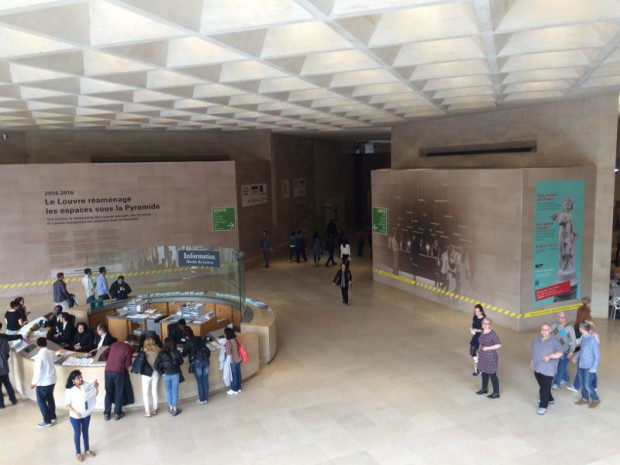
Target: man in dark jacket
{"type": "Point", "coordinates": [119, 289]}
{"type": "Point", "coordinates": [118, 361]}
{"type": "Point", "coordinates": [103, 338]}
{"type": "Point", "coordinates": [4, 367]}
{"type": "Point", "coordinates": [67, 331]}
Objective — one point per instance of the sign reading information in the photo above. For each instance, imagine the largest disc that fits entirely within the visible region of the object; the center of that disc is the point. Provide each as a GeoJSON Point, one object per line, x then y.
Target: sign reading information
{"type": "Point", "coordinates": [379, 220]}
{"type": "Point", "coordinates": [199, 258]}
{"type": "Point", "coordinates": [224, 219]}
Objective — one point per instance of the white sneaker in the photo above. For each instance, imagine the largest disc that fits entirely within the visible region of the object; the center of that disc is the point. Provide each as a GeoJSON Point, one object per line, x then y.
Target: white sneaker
{"type": "Point", "coordinates": [232, 393]}
{"type": "Point", "coordinates": [555, 386]}
{"type": "Point", "coordinates": [571, 388]}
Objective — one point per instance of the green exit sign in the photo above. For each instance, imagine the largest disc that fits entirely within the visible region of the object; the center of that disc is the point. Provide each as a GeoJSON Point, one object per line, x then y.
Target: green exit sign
{"type": "Point", "coordinates": [224, 219]}
{"type": "Point", "coordinates": [379, 220]}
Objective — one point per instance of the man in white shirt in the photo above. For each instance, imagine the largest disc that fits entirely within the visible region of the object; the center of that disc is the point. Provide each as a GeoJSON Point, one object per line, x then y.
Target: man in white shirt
{"type": "Point", "coordinates": [89, 286]}
{"type": "Point", "coordinates": [44, 379]}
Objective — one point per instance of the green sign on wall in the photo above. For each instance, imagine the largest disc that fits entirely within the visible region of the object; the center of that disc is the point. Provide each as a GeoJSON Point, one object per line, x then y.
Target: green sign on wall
{"type": "Point", "coordinates": [379, 220]}
{"type": "Point", "coordinates": [224, 219]}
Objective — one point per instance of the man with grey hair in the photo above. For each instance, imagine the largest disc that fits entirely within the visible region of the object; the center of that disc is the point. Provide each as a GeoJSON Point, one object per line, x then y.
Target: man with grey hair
{"type": "Point", "coordinates": [565, 333]}
{"type": "Point", "coordinates": [546, 351]}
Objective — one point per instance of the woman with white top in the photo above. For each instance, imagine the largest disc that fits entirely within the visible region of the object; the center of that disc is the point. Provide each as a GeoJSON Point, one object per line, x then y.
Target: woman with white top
{"type": "Point", "coordinates": [345, 251]}
{"type": "Point", "coordinates": [80, 399]}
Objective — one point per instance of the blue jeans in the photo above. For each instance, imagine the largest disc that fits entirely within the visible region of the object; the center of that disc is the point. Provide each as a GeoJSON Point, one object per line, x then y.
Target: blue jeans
{"type": "Point", "coordinates": [172, 389]}
{"type": "Point", "coordinates": [235, 368]}
{"type": "Point", "coordinates": [80, 424]}
{"type": "Point", "coordinates": [562, 374]}
{"type": "Point", "coordinates": [586, 379]}
{"type": "Point", "coordinates": [45, 399]}
{"type": "Point", "coordinates": [577, 382]}
{"type": "Point", "coordinates": [201, 372]}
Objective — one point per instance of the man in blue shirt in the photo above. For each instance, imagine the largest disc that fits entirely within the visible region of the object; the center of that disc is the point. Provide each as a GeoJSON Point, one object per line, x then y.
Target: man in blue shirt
{"type": "Point", "coordinates": [101, 285]}
{"type": "Point", "coordinates": [587, 360]}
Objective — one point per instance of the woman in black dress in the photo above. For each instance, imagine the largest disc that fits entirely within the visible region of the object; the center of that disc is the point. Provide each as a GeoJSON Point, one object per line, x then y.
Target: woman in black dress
{"type": "Point", "coordinates": [476, 329]}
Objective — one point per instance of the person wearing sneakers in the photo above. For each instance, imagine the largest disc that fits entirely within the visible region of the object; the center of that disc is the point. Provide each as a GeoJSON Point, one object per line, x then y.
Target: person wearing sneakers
{"type": "Point", "coordinates": [80, 399]}
{"type": "Point", "coordinates": [232, 349]}
{"type": "Point", "coordinates": [44, 379]}
{"type": "Point", "coordinates": [566, 335]}
{"type": "Point", "coordinates": [546, 352]}
{"type": "Point", "coordinates": [587, 360]}
{"type": "Point", "coordinates": [583, 314]}
{"type": "Point", "coordinates": [476, 330]}
{"type": "Point", "coordinates": [168, 365]}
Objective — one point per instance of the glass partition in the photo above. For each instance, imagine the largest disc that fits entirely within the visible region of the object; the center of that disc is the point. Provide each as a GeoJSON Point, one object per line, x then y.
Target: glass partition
{"type": "Point", "coordinates": [167, 270]}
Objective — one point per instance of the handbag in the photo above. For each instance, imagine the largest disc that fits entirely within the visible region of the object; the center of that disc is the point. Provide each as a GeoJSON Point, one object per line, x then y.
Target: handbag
{"type": "Point", "coordinates": [242, 352]}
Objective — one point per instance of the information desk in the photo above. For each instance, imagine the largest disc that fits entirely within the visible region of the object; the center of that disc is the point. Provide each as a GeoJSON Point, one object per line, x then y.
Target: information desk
{"type": "Point", "coordinates": [257, 318]}
{"type": "Point", "coordinates": [256, 329]}
{"type": "Point", "coordinates": [22, 370]}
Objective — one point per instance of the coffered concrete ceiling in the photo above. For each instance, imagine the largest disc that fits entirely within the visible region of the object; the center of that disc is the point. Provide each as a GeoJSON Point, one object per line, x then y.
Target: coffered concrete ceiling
{"type": "Point", "coordinates": [302, 66]}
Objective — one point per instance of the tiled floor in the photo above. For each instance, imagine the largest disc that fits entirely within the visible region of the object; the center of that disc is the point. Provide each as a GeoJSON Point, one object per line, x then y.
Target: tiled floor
{"type": "Point", "coordinates": [386, 380]}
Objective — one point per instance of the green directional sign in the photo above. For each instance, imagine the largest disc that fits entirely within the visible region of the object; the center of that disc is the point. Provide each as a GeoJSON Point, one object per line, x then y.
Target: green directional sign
{"type": "Point", "coordinates": [224, 219]}
{"type": "Point", "coordinates": [379, 220]}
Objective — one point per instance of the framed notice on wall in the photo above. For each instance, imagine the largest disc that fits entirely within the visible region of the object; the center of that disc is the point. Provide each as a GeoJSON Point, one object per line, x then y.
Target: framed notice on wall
{"type": "Point", "coordinates": [253, 194]}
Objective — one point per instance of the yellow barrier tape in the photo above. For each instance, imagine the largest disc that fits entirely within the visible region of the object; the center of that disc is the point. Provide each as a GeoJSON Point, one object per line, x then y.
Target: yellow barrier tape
{"type": "Point", "coordinates": [486, 306]}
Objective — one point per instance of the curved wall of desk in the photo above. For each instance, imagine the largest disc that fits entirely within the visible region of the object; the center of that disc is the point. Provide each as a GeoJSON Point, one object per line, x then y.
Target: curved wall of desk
{"type": "Point", "coordinates": [258, 334]}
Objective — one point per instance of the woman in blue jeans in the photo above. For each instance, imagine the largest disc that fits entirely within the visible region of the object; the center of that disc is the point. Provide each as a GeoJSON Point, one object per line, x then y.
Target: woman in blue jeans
{"type": "Point", "coordinates": [80, 399]}
{"type": "Point", "coordinates": [232, 349]}
{"type": "Point", "coordinates": [199, 354]}
{"type": "Point", "coordinates": [168, 363]}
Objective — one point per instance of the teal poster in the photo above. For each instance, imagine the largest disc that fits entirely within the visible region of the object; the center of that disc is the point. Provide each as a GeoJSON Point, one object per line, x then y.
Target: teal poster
{"type": "Point", "coordinates": [558, 234]}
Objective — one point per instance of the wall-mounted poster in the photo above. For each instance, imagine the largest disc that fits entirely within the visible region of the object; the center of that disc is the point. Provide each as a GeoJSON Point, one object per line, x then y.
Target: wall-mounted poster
{"type": "Point", "coordinates": [253, 194]}
{"type": "Point", "coordinates": [286, 189]}
{"type": "Point", "coordinates": [299, 187]}
{"type": "Point", "coordinates": [558, 231]}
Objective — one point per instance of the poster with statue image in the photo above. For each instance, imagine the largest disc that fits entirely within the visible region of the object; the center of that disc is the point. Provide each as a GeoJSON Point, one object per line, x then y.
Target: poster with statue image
{"type": "Point", "coordinates": [558, 232]}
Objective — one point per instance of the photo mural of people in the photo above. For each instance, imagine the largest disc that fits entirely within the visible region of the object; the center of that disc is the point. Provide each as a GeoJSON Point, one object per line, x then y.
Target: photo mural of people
{"type": "Point", "coordinates": [430, 232]}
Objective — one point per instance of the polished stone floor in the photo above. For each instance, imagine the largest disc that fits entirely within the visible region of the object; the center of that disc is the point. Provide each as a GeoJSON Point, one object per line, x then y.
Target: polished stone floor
{"type": "Point", "coordinates": [385, 380]}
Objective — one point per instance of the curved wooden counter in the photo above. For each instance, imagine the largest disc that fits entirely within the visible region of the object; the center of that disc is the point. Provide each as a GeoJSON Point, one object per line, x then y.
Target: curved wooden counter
{"type": "Point", "coordinates": [258, 334]}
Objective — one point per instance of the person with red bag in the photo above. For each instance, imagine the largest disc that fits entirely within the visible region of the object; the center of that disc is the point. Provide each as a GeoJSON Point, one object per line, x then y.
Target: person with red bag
{"type": "Point", "coordinates": [232, 349]}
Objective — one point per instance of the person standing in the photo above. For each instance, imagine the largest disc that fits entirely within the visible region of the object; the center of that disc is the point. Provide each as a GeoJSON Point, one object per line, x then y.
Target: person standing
{"type": "Point", "coordinates": [80, 400]}
{"type": "Point", "coordinates": [61, 294]}
{"type": "Point", "coordinates": [300, 246]}
{"type": "Point", "coordinates": [317, 248]}
{"type": "Point", "coordinates": [566, 335]}
{"type": "Point", "coordinates": [101, 285]}
{"type": "Point", "coordinates": [476, 330]}
{"type": "Point", "coordinates": [292, 246]}
{"type": "Point", "coordinates": [118, 361]}
{"type": "Point", "coordinates": [44, 380]}
{"type": "Point", "coordinates": [587, 359]}
{"type": "Point", "coordinates": [199, 353]}
{"type": "Point", "coordinates": [330, 245]}
{"type": "Point", "coordinates": [168, 364]}
{"type": "Point", "coordinates": [89, 286]}
{"type": "Point", "coordinates": [5, 353]}
{"type": "Point", "coordinates": [583, 314]}
{"type": "Point", "coordinates": [265, 246]}
{"type": "Point", "coordinates": [119, 289]}
{"type": "Point", "coordinates": [231, 348]}
{"type": "Point", "coordinates": [546, 353]}
{"type": "Point", "coordinates": [144, 366]}
{"type": "Point", "coordinates": [14, 319]}
{"type": "Point", "coordinates": [345, 251]}
{"type": "Point", "coordinates": [488, 360]}
{"type": "Point", "coordinates": [343, 280]}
